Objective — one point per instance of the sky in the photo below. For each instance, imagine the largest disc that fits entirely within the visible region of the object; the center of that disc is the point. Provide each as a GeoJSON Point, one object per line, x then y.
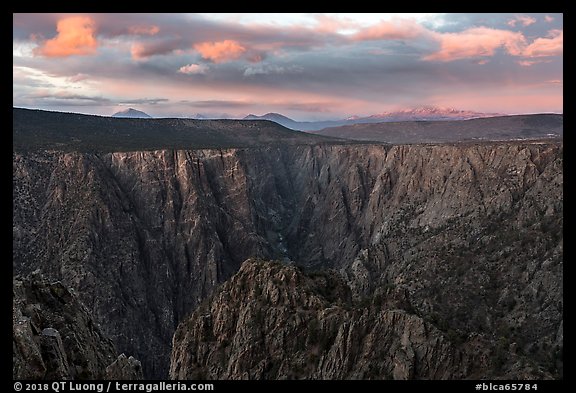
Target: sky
{"type": "Point", "coordinates": [304, 66]}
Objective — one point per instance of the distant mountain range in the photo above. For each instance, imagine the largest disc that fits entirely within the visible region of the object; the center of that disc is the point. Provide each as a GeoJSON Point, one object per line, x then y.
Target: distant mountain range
{"type": "Point", "coordinates": [132, 114]}
{"type": "Point", "coordinates": [426, 113]}
{"type": "Point", "coordinates": [283, 120]}
{"type": "Point", "coordinates": [422, 124]}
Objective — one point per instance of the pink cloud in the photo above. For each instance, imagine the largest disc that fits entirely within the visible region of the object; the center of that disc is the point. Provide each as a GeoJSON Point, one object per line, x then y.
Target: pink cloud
{"type": "Point", "coordinates": [476, 42]}
{"type": "Point", "coordinates": [391, 30]}
{"type": "Point", "coordinates": [193, 69]}
{"type": "Point", "coordinates": [528, 63]}
{"type": "Point", "coordinates": [76, 36]}
{"type": "Point", "coordinates": [516, 100]}
{"type": "Point", "coordinates": [549, 18]}
{"type": "Point", "coordinates": [473, 43]}
{"type": "Point", "coordinates": [331, 24]}
{"type": "Point", "coordinates": [552, 46]}
{"type": "Point", "coordinates": [144, 30]}
{"type": "Point", "coordinates": [523, 20]}
{"type": "Point", "coordinates": [221, 51]}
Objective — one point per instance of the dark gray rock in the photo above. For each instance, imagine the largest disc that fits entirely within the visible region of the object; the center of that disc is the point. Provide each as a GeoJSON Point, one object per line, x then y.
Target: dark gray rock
{"type": "Point", "coordinates": [54, 355]}
{"type": "Point", "coordinates": [54, 336]}
{"type": "Point", "coordinates": [270, 321]}
{"type": "Point", "coordinates": [124, 368]}
{"type": "Point", "coordinates": [468, 235]}
{"type": "Point", "coordinates": [27, 362]}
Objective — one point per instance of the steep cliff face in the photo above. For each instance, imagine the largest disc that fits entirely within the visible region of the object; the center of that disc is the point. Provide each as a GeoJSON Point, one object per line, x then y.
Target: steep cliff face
{"type": "Point", "coordinates": [471, 233]}
{"type": "Point", "coordinates": [142, 237]}
{"type": "Point", "coordinates": [55, 337]}
{"type": "Point", "coordinates": [271, 321]}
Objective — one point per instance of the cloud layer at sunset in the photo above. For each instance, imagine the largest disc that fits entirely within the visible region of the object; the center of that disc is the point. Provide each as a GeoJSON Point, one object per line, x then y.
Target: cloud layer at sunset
{"type": "Point", "coordinates": [220, 51]}
{"type": "Point", "coordinates": [308, 66]}
{"type": "Point", "coordinates": [477, 42]}
{"type": "Point", "coordinates": [76, 36]}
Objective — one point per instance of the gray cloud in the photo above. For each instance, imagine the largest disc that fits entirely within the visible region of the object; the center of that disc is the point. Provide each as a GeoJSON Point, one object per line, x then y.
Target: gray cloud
{"type": "Point", "coordinates": [143, 101]}
{"type": "Point", "coordinates": [267, 69]}
{"type": "Point", "coordinates": [314, 107]}
{"type": "Point", "coordinates": [65, 96]}
{"type": "Point", "coordinates": [179, 32]}
{"type": "Point", "coordinates": [326, 68]}
{"type": "Point", "coordinates": [70, 99]}
{"type": "Point", "coordinates": [460, 21]}
{"type": "Point", "coordinates": [144, 49]}
{"type": "Point", "coordinates": [217, 104]}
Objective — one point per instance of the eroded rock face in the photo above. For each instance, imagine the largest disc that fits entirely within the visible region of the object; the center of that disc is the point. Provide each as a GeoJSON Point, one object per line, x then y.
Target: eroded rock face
{"type": "Point", "coordinates": [273, 322]}
{"type": "Point", "coordinates": [470, 235]}
{"type": "Point", "coordinates": [124, 368]}
{"type": "Point", "coordinates": [54, 336]}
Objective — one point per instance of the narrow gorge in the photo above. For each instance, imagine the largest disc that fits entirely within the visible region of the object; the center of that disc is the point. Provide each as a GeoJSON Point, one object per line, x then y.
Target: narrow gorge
{"type": "Point", "coordinates": [444, 261]}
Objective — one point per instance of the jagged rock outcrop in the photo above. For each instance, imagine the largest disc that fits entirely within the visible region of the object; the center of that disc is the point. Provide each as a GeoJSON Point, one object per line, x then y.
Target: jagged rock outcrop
{"type": "Point", "coordinates": [124, 368]}
{"type": "Point", "coordinates": [273, 322]}
{"type": "Point", "coordinates": [54, 336]}
{"type": "Point", "coordinates": [469, 234]}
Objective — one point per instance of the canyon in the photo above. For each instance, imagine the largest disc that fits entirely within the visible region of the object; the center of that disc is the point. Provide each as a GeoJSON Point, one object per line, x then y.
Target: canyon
{"type": "Point", "coordinates": [426, 261]}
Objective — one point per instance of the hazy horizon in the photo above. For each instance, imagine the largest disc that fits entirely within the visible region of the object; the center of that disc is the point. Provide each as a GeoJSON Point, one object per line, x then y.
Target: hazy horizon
{"type": "Point", "coordinates": [241, 116]}
{"type": "Point", "coordinates": [304, 66]}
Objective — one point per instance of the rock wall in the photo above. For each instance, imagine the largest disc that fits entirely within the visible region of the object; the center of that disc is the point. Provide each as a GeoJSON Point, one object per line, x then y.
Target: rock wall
{"type": "Point", "coordinates": [471, 233]}
{"type": "Point", "coordinates": [271, 321]}
{"type": "Point", "coordinates": [55, 337]}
